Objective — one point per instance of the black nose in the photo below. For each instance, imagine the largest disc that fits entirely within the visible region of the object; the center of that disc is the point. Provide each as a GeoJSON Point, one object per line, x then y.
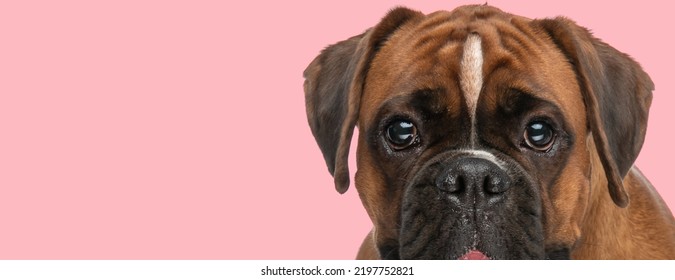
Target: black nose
{"type": "Point", "coordinates": [467, 175]}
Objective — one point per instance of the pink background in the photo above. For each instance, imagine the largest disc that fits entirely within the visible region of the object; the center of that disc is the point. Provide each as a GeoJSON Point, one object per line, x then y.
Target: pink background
{"type": "Point", "coordinates": [169, 130]}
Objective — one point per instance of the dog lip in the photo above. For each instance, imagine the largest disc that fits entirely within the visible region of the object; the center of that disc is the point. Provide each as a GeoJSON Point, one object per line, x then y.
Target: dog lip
{"type": "Point", "coordinates": [474, 255]}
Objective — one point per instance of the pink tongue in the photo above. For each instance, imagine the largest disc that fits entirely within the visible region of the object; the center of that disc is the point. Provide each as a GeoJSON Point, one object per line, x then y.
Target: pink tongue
{"type": "Point", "coordinates": [474, 255]}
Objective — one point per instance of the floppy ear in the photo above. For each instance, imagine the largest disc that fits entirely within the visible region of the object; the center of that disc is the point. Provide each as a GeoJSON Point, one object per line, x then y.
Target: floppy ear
{"type": "Point", "coordinates": [333, 86]}
{"type": "Point", "coordinates": [617, 94]}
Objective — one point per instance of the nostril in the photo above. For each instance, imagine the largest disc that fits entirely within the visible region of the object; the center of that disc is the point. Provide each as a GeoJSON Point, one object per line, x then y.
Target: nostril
{"type": "Point", "coordinates": [487, 183]}
{"type": "Point", "coordinates": [461, 182]}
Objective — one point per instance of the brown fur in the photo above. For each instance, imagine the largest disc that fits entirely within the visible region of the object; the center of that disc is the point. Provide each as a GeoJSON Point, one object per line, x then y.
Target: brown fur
{"type": "Point", "coordinates": [585, 201]}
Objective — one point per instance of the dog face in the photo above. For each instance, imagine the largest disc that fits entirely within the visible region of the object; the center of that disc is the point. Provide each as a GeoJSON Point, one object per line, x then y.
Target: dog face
{"type": "Point", "coordinates": [478, 129]}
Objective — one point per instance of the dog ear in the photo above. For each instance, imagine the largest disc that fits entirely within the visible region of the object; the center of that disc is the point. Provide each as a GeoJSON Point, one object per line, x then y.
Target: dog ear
{"type": "Point", "coordinates": [333, 86]}
{"type": "Point", "coordinates": [617, 94]}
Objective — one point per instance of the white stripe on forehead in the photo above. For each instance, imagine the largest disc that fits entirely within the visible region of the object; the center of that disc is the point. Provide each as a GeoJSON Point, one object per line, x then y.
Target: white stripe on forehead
{"type": "Point", "coordinates": [471, 75]}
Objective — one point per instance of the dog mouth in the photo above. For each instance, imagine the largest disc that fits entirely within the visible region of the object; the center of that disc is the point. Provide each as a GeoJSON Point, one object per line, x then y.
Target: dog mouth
{"type": "Point", "coordinates": [391, 253]}
{"type": "Point", "coordinates": [474, 255]}
{"type": "Point", "coordinates": [558, 254]}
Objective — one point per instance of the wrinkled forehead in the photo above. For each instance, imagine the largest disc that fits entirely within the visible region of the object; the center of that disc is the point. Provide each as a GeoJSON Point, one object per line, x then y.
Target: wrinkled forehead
{"type": "Point", "coordinates": [465, 53]}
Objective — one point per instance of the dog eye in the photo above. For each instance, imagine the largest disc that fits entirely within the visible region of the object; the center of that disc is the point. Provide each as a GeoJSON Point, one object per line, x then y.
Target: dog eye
{"type": "Point", "coordinates": [539, 136]}
{"type": "Point", "coordinates": [401, 134]}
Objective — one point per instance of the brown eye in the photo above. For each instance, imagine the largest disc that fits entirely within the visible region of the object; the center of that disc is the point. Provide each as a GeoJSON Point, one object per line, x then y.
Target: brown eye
{"type": "Point", "coordinates": [539, 136]}
{"type": "Point", "coordinates": [401, 134]}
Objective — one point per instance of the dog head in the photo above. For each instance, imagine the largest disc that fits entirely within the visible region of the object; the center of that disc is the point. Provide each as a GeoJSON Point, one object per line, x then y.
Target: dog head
{"type": "Point", "coordinates": [478, 129]}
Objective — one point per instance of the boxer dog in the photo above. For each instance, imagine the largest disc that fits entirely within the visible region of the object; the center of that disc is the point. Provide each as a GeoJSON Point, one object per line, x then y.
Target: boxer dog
{"type": "Point", "coordinates": [486, 135]}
